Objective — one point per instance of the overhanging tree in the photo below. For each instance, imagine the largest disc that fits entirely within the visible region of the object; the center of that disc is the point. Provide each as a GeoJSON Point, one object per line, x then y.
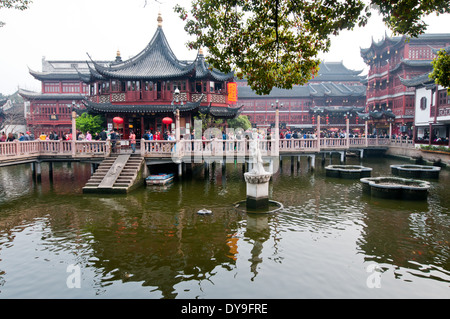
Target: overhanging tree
{"type": "Point", "coordinates": [441, 69]}
{"type": "Point", "coordinates": [276, 43]}
{"type": "Point", "coordinates": [14, 4]}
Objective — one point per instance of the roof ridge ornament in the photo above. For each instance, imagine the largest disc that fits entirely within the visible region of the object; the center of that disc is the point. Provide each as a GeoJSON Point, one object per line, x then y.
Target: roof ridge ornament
{"type": "Point", "coordinates": [160, 20]}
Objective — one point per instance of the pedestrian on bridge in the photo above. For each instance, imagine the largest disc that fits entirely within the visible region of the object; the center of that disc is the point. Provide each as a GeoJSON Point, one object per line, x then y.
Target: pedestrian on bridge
{"type": "Point", "coordinates": [133, 141]}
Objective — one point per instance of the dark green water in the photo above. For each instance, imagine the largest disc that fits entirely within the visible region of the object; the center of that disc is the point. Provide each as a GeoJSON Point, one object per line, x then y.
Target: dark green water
{"type": "Point", "coordinates": [153, 244]}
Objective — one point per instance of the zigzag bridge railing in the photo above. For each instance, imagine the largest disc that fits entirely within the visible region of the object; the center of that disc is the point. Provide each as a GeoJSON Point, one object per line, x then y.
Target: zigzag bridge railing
{"type": "Point", "coordinates": [17, 151]}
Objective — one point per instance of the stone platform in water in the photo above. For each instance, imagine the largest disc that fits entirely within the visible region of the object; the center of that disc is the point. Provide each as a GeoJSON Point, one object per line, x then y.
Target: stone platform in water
{"type": "Point", "coordinates": [415, 171]}
{"type": "Point", "coordinates": [396, 188]}
{"type": "Point", "coordinates": [348, 171]}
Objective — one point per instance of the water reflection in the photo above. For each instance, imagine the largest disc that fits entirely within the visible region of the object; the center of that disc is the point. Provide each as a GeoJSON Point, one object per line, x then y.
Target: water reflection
{"type": "Point", "coordinates": [152, 243]}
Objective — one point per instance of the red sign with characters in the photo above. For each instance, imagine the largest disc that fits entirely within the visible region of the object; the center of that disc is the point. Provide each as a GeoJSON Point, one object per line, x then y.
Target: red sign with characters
{"type": "Point", "coordinates": [232, 91]}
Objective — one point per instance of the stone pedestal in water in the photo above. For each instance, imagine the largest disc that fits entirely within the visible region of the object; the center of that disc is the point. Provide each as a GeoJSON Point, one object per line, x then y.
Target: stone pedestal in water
{"type": "Point", "coordinates": [257, 190]}
{"type": "Point", "coordinates": [257, 179]}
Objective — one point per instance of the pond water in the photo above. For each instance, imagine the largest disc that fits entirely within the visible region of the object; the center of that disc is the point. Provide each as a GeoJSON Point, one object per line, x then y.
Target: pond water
{"type": "Point", "coordinates": [329, 241]}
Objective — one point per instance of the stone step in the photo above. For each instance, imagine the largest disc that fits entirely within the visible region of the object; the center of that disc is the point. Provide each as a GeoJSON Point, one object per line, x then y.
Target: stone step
{"type": "Point", "coordinates": [115, 174]}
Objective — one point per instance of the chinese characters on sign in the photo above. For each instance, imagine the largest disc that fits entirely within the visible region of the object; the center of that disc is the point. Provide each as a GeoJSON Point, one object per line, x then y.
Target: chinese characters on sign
{"type": "Point", "coordinates": [232, 91]}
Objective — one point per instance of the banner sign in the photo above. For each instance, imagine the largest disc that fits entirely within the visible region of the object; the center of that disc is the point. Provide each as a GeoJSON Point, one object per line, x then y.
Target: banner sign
{"type": "Point", "coordinates": [232, 91]}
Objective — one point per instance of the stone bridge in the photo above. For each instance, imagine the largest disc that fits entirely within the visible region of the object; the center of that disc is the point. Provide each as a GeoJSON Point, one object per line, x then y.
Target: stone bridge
{"type": "Point", "coordinates": [198, 151]}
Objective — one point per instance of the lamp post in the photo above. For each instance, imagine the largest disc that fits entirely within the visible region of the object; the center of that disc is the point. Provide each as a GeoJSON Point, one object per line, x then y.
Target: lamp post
{"type": "Point", "coordinates": [74, 127]}
{"type": "Point", "coordinates": [176, 112]}
{"type": "Point", "coordinates": [277, 125]}
{"type": "Point", "coordinates": [277, 105]}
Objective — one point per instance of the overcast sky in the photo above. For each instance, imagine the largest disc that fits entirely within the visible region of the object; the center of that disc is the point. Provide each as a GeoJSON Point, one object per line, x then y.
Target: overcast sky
{"type": "Point", "coordinates": [68, 29]}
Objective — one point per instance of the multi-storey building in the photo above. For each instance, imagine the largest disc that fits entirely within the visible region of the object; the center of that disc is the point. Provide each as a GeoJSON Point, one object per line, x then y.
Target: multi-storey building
{"type": "Point", "coordinates": [334, 94]}
{"type": "Point", "coordinates": [391, 60]}
{"type": "Point", "coordinates": [61, 90]}
{"type": "Point", "coordinates": [432, 110]}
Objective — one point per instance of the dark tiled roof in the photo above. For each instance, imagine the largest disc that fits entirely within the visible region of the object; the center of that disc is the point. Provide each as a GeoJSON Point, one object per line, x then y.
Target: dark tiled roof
{"type": "Point", "coordinates": [386, 41]}
{"type": "Point", "coordinates": [413, 63]}
{"type": "Point", "coordinates": [336, 110]}
{"type": "Point", "coordinates": [398, 41]}
{"type": "Point", "coordinates": [220, 111]}
{"type": "Point", "coordinates": [54, 76]}
{"type": "Point", "coordinates": [447, 49]}
{"type": "Point", "coordinates": [421, 80]}
{"type": "Point", "coordinates": [29, 95]}
{"type": "Point", "coordinates": [156, 61]}
{"type": "Point", "coordinates": [304, 91]}
{"type": "Point", "coordinates": [336, 89]}
{"type": "Point", "coordinates": [216, 111]}
{"type": "Point", "coordinates": [380, 114]}
{"type": "Point", "coordinates": [336, 71]}
{"type": "Point", "coordinates": [137, 108]}
{"type": "Point", "coordinates": [351, 109]}
{"type": "Point", "coordinates": [204, 71]}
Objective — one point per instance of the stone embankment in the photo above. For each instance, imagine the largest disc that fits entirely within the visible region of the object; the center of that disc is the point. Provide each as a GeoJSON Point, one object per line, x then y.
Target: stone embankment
{"type": "Point", "coordinates": [434, 157]}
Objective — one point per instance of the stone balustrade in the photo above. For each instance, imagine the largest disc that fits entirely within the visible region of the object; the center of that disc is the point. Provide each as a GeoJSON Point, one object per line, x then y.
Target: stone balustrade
{"type": "Point", "coordinates": [185, 147]}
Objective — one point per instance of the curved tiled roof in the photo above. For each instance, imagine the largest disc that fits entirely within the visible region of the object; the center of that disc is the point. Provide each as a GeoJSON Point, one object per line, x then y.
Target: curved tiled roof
{"type": "Point", "coordinates": [339, 109]}
{"type": "Point", "coordinates": [417, 81]}
{"type": "Point", "coordinates": [156, 61]}
{"type": "Point", "coordinates": [204, 71]}
{"type": "Point", "coordinates": [386, 41]}
{"type": "Point", "coordinates": [216, 111]}
{"type": "Point", "coordinates": [54, 76]}
{"type": "Point", "coordinates": [137, 108]}
{"type": "Point", "coordinates": [220, 111]}
{"type": "Point", "coordinates": [30, 95]}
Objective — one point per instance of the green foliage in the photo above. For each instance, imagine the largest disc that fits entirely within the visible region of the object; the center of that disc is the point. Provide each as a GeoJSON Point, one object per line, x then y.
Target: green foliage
{"type": "Point", "coordinates": [441, 69]}
{"type": "Point", "coordinates": [14, 4]}
{"type": "Point", "coordinates": [405, 16]}
{"type": "Point", "coordinates": [86, 122]}
{"type": "Point", "coordinates": [270, 43]}
{"type": "Point", "coordinates": [276, 43]}
{"type": "Point", "coordinates": [435, 148]}
{"type": "Point", "coordinates": [208, 121]}
{"type": "Point", "coordinates": [241, 121]}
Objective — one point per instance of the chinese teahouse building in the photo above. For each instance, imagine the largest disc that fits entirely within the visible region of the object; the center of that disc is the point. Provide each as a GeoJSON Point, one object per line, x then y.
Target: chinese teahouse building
{"type": "Point", "coordinates": [390, 60]}
{"type": "Point", "coordinates": [139, 90]}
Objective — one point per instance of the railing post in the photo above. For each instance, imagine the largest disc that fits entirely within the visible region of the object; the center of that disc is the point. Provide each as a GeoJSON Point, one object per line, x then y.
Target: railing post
{"type": "Point", "coordinates": [74, 133]}
{"type": "Point", "coordinates": [347, 136]}
{"type": "Point", "coordinates": [142, 147]}
{"type": "Point", "coordinates": [17, 147]}
{"type": "Point", "coordinates": [365, 133]}
{"type": "Point", "coordinates": [318, 133]}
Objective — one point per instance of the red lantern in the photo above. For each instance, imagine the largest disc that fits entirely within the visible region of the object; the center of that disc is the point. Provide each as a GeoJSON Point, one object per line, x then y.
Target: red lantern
{"type": "Point", "coordinates": [167, 121]}
{"type": "Point", "coordinates": [327, 119]}
{"type": "Point", "coordinates": [118, 120]}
